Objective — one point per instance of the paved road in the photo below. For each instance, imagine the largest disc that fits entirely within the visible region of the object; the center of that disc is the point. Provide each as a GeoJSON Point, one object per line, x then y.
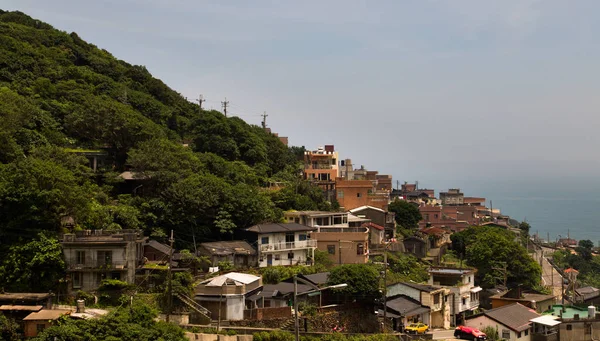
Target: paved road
{"type": "Point", "coordinates": [550, 276]}
{"type": "Point", "coordinates": [444, 334]}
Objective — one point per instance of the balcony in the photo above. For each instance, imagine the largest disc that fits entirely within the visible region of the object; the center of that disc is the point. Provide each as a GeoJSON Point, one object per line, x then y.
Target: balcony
{"type": "Point", "coordinates": [272, 247]}
{"type": "Point", "coordinates": [99, 266]}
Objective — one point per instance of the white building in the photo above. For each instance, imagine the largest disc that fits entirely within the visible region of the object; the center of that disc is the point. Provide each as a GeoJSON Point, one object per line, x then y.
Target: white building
{"type": "Point", "coordinates": [225, 295]}
{"type": "Point", "coordinates": [461, 282]}
{"type": "Point", "coordinates": [284, 244]}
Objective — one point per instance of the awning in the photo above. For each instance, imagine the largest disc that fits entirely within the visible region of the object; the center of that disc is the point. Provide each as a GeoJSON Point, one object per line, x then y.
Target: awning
{"type": "Point", "coordinates": [476, 289]}
{"type": "Point", "coordinates": [546, 320]}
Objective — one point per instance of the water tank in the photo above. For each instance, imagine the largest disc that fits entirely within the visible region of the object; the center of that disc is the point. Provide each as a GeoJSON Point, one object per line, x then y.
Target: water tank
{"type": "Point", "coordinates": [591, 311]}
{"type": "Point", "coordinates": [80, 306]}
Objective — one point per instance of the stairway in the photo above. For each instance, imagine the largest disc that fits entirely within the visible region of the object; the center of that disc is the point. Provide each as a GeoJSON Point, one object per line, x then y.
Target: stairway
{"type": "Point", "coordinates": [193, 305]}
{"type": "Point", "coordinates": [288, 325]}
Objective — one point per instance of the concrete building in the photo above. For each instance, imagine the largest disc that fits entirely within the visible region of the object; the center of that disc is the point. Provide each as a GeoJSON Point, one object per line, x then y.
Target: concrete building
{"type": "Point", "coordinates": [453, 197]}
{"type": "Point", "coordinates": [378, 216]}
{"type": "Point", "coordinates": [237, 252]}
{"type": "Point", "coordinates": [226, 294]}
{"type": "Point", "coordinates": [436, 298]}
{"type": "Point", "coordinates": [283, 244]}
{"type": "Point", "coordinates": [513, 321]}
{"type": "Point", "coordinates": [538, 302]}
{"type": "Point", "coordinates": [94, 255]}
{"type": "Point", "coordinates": [321, 168]}
{"type": "Point", "coordinates": [351, 194]}
{"type": "Point", "coordinates": [461, 282]}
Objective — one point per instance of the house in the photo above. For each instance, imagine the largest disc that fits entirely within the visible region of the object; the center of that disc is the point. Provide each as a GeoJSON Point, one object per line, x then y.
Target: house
{"type": "Point", "coordinates": [416, 246]}
{"type": "Point", "coordinates": [377, 233]}
{"type": "Point", "coordinates": [538, 302]}
{"type": "Point", "coordinates": [380, 217]}
{"type": "Point", "coordinates": [283, 244]}
{"type": "Point", "coordinates": [453, 197]}
{"type": "Point", "coordinates": [318, 218]}
{"type": "Point", "coordinates": [461, 282]}
{"type": "Point", "coordinates": [94, 255]}
{"type": "Point", "coordinates": [225, 296]}
{"type": "Point", "coordinates": [237, 252]}
{"type": "Point", "coordinates": [587, 295]}
{"type": "Point", "coordinates": [156, 251]}
{"type": "Point", "coordinates": [438, 299]}
{"type": "Point", "coordinates": [512, 321]}
{"type": "Point", "coordinates": [351, 194]}
{"type": "Point", "coordinates": [344, 245]}
{"type": "Point", "coordinates": [576, 323]}
{"type": "Point", "coordinates": [36, 322]}
{"type": "Point", "coordinates": [404, 310]}
{"type": "Point", "coordinates": [321, 168]}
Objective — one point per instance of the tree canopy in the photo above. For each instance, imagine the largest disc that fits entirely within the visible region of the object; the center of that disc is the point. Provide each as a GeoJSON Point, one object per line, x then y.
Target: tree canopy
{"type": "Point", "coordinates": [407, 214]}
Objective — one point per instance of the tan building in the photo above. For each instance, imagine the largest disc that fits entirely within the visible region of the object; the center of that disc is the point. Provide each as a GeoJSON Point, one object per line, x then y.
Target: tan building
{"type": "Point", "coordinates": [351, 194]}
{"type": "Point", "coordinates": [321, 168]}
{"type": "Point", "coordinates": [94, 255]}
{"type": "Point", "coordinates": [36, 322]}
{"type": "Point", "coordinates": [344, 245]}
{"type": "Point", "coordinates": [437, 299]}
{"type": "Point", "coordinates": [226, 294]}
{"type": "Point", "coordinates": [453, 197]}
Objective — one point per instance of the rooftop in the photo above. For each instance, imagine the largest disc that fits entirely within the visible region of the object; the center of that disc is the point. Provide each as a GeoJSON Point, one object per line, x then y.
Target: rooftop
{"type": "Point", "coordinates": [406, 306]}
{"type": "Point", "coordinates": [277, 227]}
{"type": "Point", "coordinates": [362, 208]}
{"type": "Point", "coordinates": [568, 313]}
{"type": "Point", "coordinates": [515, 316]}
{"type": "Point", "coordinates": [451, 271]}
{"type": "Point", "coordinates": [24, 296]}
{"type": "Point", "coordinates": [421, 287]}
{"type": "Point", "coordinates": [46, 314]}
{"type": "Point", "coordinates": [232, 278]}
{"type": "Point", "coordinates": [229, 247]}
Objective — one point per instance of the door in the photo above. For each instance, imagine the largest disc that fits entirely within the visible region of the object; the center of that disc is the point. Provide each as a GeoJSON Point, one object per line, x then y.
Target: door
{"type": "Point", "coordinates": [269, 260]}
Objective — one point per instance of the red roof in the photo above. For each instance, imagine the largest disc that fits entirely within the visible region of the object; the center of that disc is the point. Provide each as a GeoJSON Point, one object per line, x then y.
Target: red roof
{"type": "Point", "coordinates": [373, 225]}
{"type": "Point", "coordinates": [569, 270]}
{"type": "Point", "coordinates": [436, 231]}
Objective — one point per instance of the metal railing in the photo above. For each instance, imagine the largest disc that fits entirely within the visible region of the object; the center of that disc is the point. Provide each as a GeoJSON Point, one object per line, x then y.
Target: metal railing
{"type": "Point", "coordinates": [288, 246]}
{"type": "Point", "coordinates": [99, 265]}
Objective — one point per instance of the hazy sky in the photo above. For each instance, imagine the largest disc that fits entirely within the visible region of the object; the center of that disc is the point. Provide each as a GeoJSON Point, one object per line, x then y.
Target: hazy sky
{"type": "Point", "coordinates": [451, 93]}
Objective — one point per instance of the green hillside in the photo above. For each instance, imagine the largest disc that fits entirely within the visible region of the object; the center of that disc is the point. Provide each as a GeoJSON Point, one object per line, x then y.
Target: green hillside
{"type": "Point", "coordinates": [61, 97]}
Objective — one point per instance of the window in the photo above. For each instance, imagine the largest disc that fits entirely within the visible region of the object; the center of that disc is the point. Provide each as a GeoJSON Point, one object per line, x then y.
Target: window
{"type": "Point", "coordinates": [505, 334]}
{"type": "Point", "coordinates": [569, 327]}
{"type": "Point", "coordinates": [331, 249]}
{"type": "Point", "coordinates": [587, 328]}
{"type": "Point", "coordinates": [358, 195]}
{"type": "Point", "coordinates": [101, 277]}
{"type": "Point", "coordinates": [289, 237]}
{"type": "Point", "coordinates": [104, 258]}
{"type": "Point", "coordinates": [301, 237]}
{"type": "Point", "coordinates": [290, 255]}
{"type": "Point", "coordinates": [337, 220]}
{"type": "Point", "coordinates": [464, 301]}
{"type": "Point", "coordinates": [469, 279]}
{"type": "Point", "coordinates": [436, 299]}
{"type": "Point", "coordinates": [519, 335]}
{"type": "Point", "coordinates": [360, 249]}
{"type": "Point", "coordinates": [526, 332]}
{"type": "Point", "coordinates": [77, 279]}
{"type": "Point", "coordinates": [80, 257]}
{"type": "Point", "coordinates": [340, 194]}
{"type": "Point", "coordinates": [426, 216]}
{"type": "Point", "coordinates": [277, 256]}
{"type": "Point", "coordinates": [115, 275]}
{"type": "Point", "coordinates": [435, 216]}
{"type": "Point", "coordinates": [264, 240]}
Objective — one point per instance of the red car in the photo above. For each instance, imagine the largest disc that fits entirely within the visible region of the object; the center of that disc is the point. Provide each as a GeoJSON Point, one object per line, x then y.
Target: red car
{"type": "Point", "coordinates": [469, 333]}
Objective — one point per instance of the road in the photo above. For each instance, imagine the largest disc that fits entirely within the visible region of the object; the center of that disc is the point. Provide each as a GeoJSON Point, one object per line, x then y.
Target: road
{"type": "Point", "coordinates": [441, 334]}
{"type": "Point", "coordinates": [550, 277]}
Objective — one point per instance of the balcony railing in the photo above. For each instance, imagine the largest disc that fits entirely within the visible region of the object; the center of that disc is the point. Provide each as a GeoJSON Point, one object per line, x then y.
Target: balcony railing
{"type": "Point", "coordinates": [288, 246]}
{"type": "Point", "coordinates": [99, 265]}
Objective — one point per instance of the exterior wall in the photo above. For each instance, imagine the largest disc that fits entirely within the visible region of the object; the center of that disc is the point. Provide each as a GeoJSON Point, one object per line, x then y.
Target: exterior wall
{"type": "Point", "coordinates": [540, 306]}
{"type": "Point", "coordinates": [331, 219]}
{"type": "Point", "coordinates": [417, 248]}
{"type": "Point", "coordinates": [342, 247]}
{"type": "Point", "coordinates": [277, 251]}
{"type": "Point", "coordinates": [153, 254]}
{"type": "Point", "coordinates": [384, 182]}
{"type": "Point", "coordinates": [377, 236]}
{"type": "Point", "coordinates": [400, 289]}
{"type": "Point", "coordinates": [235, 307]}
{"type": "Point", "coordinates": [483, 321]}
{"type": "Point", "coordinates": [31, 327]}
{"type": "Point", "coordinates": [579, 330]}
{"type": "Point", "coordinates": [353, 193]}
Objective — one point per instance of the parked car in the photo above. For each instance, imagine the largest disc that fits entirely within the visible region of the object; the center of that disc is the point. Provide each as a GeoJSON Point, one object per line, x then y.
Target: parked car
{"type": "Point", "coordinates": [468, 333]}
{"type": "Point", "coordinates": [416, 328]}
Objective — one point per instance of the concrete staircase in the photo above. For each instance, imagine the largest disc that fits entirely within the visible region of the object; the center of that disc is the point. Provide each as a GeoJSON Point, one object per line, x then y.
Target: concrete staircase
{"type": "Point", "coordinates": [190, 303]}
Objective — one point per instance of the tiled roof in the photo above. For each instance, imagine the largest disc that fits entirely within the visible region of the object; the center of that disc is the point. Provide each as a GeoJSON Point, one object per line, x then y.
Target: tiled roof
{"type": "Point", "coordinates": [229, 247]}
{"type": "Point", "coordinates": [373, 225]}
{"type": "Point", "coordinates": [514, 316]}
{"type": "Point", "coordinates": [276, 227]}
{"type": "Point", "coordinates": [421, 287]}
{"type": "Point", "coordinates": [406, 305]}
{"type": "Point", "coordinates": [165, 249]}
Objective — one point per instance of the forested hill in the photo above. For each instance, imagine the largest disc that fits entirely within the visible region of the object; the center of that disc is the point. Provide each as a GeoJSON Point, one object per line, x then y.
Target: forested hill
{"type": "Point", "coordinates": [61, 97]}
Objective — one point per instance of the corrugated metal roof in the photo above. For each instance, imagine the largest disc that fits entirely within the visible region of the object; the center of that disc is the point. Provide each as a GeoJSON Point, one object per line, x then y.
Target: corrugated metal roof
{"type": "Point", "coordinates": [46, 314]}
{"type": "Point", "coordinates": [233, 278]}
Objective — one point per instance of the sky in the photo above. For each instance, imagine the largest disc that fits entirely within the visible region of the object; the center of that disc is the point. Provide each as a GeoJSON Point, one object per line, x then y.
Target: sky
{"type": "Point", "coordinates": [494, 97]}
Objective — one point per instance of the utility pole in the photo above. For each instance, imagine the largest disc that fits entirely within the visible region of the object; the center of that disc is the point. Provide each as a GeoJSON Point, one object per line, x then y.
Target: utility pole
{"type": "Point", "coordinates": [384, 287]}
{"type": "Point", "coordinates": [200, 101]}
{"type": "Point", "coordinates": [340, 252]}
{"type": "Point", "coordinates": [169, 278]}
{"type": "Point", "coordinates": [264, 121]}
{"type": "Point", "coordinates": [225, 104]}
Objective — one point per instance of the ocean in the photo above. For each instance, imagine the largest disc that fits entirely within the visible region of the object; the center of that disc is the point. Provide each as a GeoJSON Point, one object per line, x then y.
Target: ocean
{"type": "Point", "coordinates": [577, 217]}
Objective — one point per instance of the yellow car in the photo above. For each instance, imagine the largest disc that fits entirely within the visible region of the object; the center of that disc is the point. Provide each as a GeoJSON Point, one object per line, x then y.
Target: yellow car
{"type": "Point", "coordinates": [416, 328]}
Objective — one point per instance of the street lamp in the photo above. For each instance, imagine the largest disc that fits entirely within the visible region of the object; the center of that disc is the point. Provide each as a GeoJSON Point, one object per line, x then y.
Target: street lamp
{"type": "Point", "coordinates": [316, 289]}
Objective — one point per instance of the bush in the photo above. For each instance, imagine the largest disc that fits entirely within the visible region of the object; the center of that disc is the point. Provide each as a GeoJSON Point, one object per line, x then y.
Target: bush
{"type": "Point", "coordinates": [492, 333]}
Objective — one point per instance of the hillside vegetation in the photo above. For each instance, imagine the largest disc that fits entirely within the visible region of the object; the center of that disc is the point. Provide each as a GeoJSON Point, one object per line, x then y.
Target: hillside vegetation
{"type": "Point", "coordinates": [61, 97]}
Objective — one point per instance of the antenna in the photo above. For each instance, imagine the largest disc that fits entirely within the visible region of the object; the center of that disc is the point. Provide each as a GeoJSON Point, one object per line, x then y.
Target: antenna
{"type": "Point", "coordinates": [200, 100]}
{"type": "Point", "coordinates": [264, 121]}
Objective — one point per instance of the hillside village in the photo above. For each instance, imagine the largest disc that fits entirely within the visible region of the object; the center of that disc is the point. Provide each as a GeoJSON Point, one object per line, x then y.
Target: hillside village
{"type": "Point", "coordinates": [120, 198]}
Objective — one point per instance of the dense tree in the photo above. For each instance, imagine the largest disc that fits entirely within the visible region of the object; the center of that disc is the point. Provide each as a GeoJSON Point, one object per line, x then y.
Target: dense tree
{"type": "Point", "coordinates": [492, 249]}
{"type": "Point", "coordinates": [362, 280]}
{"type": "Point", "coordinates": [407, 214]}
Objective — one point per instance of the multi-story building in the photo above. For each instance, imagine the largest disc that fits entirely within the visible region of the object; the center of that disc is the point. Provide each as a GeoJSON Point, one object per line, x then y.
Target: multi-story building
{"type": "Point", "coordinates": [351, 194]}
{"type": "Point", "coordinates": [340, 234]}
{"type": "Point", "coordinates": [321, 168]}
{"type": "Point", "coordinates": [436, 298]}
{"type": "Point", "coordinates": [283, 244]}
{"type": "Point", "coordinates": [94, 255]}
{"type": "Point", "coordinates": [453, 197]}
{"type": "Point", "coordinates": [378, 216]}
{"type": "Point", "coordinates": [462, 283]}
